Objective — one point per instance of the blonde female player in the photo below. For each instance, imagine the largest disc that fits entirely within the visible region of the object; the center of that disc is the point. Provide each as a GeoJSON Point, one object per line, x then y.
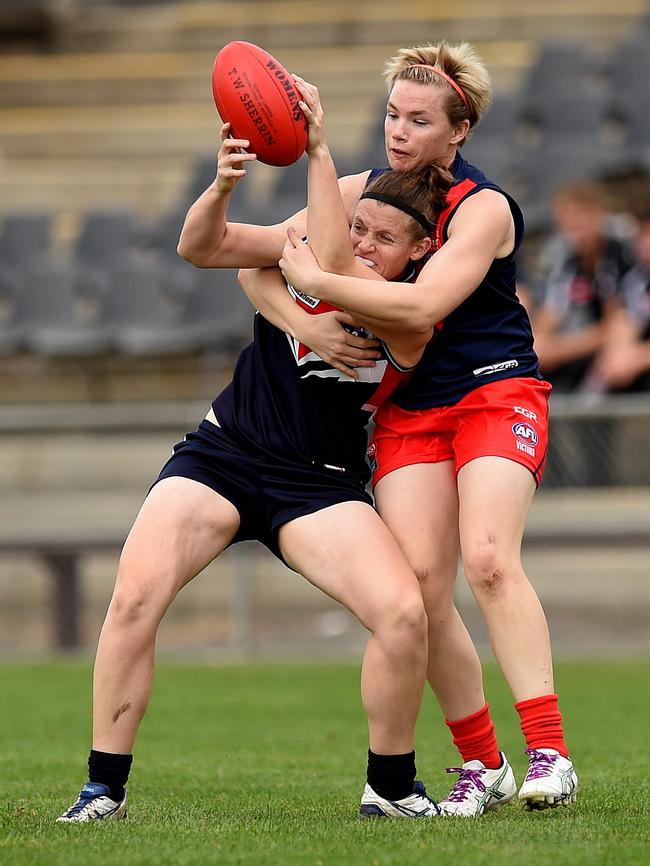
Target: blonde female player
{"type": "Point", "coordinates": [461, 449]}
{"type": "Point", "coordinates": [280, 457]}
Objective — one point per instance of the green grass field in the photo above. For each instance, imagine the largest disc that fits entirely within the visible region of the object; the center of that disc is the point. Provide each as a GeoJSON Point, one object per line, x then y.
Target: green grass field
{"type": "Point", "coordinates": [265, 765]}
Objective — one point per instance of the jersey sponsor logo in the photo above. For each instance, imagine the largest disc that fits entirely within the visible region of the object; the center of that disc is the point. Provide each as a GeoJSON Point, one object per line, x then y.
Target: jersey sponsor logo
{"type": "Point", "coordinates": [526, 437]}
{"type": "Point", "coordinates": [495, 368]}
{"type": "Point", "coordinates": [301, 296]}
{"type": "Point", "coordinates": [527, 413]}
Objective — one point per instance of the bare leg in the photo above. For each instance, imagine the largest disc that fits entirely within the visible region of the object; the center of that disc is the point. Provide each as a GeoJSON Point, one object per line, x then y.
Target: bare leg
{"type": "Point", "coordinates": [495, 495]}
{"type": "Point", "coordinates": [182, 526]}
{"type": "Point", "coordinates": [347, 551]}
{"type": "Point", "coordinates": [420, 506]}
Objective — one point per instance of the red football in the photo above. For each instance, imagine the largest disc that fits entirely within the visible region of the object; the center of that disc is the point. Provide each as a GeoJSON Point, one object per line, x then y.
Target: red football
{"type": "Point", "coordinates": [257, 96]}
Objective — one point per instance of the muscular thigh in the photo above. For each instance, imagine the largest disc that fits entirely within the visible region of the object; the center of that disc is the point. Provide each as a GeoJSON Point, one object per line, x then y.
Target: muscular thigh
{"type": "Point", "coordinates": [419, 504]}
{"type": "Point", "coordinates": [182, 526]}
{"type": "Point", "coordinates": [495, 495]}
{"type": "Point", "coordinates": [348, 552]}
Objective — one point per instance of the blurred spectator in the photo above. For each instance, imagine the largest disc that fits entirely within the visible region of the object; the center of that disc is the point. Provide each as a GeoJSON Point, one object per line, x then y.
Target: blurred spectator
{"type": "Point", "coordinates": [581, 293]}
{"type": "Point", "coordinates": [625, 362]}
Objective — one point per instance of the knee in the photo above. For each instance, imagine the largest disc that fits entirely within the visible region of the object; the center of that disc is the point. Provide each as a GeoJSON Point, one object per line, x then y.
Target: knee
{"type": "Point", "coordinates": [437, 587]}
{"type": "Point", "coordinates": [486, 569]}
{"type": "Point", "coordinates": [134, 600]}
{"type": "Point", "coordinates": [405, 619]}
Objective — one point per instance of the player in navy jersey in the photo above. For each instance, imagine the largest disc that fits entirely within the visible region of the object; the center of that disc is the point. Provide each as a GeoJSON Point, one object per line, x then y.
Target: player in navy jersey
{"type": "Point", "coordinates": [460, 450]}
{"type": "Point", "coordinates": [280, 457]}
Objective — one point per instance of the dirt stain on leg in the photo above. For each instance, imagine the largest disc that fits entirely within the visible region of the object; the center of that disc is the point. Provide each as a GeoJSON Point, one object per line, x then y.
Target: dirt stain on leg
{"type": "Point", "coordinates": [121, 710]}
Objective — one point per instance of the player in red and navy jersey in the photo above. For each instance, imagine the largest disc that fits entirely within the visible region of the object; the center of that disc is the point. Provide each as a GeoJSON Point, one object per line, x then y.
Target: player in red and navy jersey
{"type": "Point", "coordinates": [460, 451]}
{"type": "Point", "coordinates": [280, 458]}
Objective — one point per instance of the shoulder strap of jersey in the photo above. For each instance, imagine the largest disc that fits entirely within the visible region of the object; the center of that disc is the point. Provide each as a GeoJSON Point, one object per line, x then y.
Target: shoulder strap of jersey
{"type": "Point", "coordinates": [457, 195]}
{"type": "Point", "coordinates": [454, 197]}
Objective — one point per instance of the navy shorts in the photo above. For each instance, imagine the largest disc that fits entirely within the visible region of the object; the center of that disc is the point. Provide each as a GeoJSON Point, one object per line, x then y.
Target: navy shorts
{"type": "Point", "coordinates": [267, 493]}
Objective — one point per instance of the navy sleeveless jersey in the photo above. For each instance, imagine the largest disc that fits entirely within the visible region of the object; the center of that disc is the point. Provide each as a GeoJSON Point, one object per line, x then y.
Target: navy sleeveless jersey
{"type": "Point", "coordinates": [486, 338]}
{"type": "Point", "coordinates": [285, 401]}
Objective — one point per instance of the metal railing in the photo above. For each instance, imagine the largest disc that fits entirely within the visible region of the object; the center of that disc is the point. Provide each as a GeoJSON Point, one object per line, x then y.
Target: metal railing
{"type": "Point", "coordinates": [599, 441]}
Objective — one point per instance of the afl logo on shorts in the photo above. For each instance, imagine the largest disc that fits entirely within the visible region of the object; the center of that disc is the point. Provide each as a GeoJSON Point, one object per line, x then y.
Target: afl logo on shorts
{"type": "Point", "coordinates": [525, 434]}
{"type": "Point", "coordinates": [526, 437]}
{"type": "Point", "coordinates": [372, 456]}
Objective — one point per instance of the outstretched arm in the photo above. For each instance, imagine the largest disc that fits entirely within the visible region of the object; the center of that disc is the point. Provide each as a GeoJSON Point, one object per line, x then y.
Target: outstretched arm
{"type": "Point", "coordinates": [328, 228]}
{"type": "Point", "coordinates": [208, 240]}
{"type": "Point", "coordinates": [328, 223]}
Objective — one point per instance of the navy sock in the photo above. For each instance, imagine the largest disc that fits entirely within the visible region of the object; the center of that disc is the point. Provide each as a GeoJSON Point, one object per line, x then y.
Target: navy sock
{"type": "Point", "coordinates": [110, 769]}
{"type": "Point", "coordinates": [391, 776]}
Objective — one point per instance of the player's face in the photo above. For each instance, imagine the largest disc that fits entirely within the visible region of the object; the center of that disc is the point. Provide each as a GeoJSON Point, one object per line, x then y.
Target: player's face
{"type": "Point", "coordinates": [382, 238]}
{"type": "Point", "coordinates": [417, 130]}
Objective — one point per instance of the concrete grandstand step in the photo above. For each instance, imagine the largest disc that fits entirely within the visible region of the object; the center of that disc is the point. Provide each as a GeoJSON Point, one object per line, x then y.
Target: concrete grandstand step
{"type": "Point", "coordinates": [99, 79]}
{"type": "Point", "coordinates": [105, 511]}
{"type": "Point", "coordinates": [95, 116]}
{"type": "Point", "coordinates": [147, 185]}
{"type": "Point", "coordinates": [137, 130]}
{"type": "Point", "coordinates": [313, 23]}
{"type": "Point", "coordinates": [149, 77]}
{"type": "Point", "coordinates": [276, 23]}
{"type": "Point", "coordinates": [108, 99]}
{"type": "Point", "coordinates": [604, 514]}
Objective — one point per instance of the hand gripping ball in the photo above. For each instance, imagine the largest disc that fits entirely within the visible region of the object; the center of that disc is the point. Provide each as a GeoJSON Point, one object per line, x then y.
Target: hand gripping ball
{"type": "Point", "coordinates": [257, 96]}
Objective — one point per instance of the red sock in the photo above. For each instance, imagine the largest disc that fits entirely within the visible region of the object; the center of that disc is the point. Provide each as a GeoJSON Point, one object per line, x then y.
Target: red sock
{"type": "Point", "coordinates": [475, 739]}
{"type": "Point", "coordinates": [541, 724]}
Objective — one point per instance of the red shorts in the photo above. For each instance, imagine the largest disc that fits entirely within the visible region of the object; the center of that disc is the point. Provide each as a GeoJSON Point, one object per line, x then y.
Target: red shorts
{"type": "Point", "coordinates": [508, 419]}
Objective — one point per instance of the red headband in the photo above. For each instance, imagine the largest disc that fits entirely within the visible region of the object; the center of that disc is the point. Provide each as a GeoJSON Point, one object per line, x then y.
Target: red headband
{"type": "Point", "coordinates": [447, 78]}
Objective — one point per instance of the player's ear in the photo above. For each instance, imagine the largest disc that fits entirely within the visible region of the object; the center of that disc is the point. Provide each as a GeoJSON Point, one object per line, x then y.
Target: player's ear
{"type": "Point", "coordinates": [460, 132]}
{"type": "Point", "coordinates": [420, 248]}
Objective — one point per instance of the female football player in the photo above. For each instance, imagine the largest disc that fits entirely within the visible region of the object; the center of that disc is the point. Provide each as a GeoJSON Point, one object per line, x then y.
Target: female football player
{"type": "Point", "coordinates": [460, 450]}
{"type": "Point", "coordinates": [280, 457]}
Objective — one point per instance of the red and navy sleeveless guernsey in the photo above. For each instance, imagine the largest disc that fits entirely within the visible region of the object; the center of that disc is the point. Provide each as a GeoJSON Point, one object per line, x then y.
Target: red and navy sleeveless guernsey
{"type": "Point", "coordinates": [285, 401]}
{"type": "Point", "coordinates": [486, 338]}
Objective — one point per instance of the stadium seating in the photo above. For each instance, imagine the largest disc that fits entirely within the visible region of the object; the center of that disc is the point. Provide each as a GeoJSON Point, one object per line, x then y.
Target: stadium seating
{"type": "Point", "coordinates": [217, 314]}
{"type": "Point", "coordinates": [629, 68]}
{"type": "Point", "coordinates": [10, 329]}
{"type": "Point", "coordinates": [151, 310]}
{"type": "Point", "coordinates": [105, 238]}
{"type": "Point", "coordinates": [56, 312]}
{"type": "Point", "coordinates": [24, 237]}
{"type": "Point", "coordinates": [132, 136]}
{"type": "Point", "coordinates": [561, 68]}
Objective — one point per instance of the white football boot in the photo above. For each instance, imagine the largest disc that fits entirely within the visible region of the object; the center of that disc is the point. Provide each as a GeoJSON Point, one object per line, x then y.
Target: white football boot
{"type": "Point", "coordinates": [416, 805]}
{"type": "Point", "coordinates": [480, 789]}
{"type": "Point", "coordinates": [550, 781]}
{"type": "Point", "coordinates": [95, 804]}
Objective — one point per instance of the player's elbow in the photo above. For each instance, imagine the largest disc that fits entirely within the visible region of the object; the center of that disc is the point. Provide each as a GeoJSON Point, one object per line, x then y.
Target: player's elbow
{"type": "Point", "coordinates": [191, 255]}
{"type": "Point", "coordinates": [198, 253]}
{"type": "Point", "coordinates": [338, 264]}
{"type": "Point", "coordinates": [186, 251]}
